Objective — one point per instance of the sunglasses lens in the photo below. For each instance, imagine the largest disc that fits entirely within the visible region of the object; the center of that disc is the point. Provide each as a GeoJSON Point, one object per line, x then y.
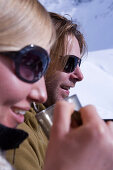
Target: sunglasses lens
{"type": "Point", "coordinates": [26, 73]}
{"type": "Point", "coordinates": [33, 65]}
{"type": "Point", "coordinates": [31, 62]}
{"type": "Point", "coordinates": [71, 64]}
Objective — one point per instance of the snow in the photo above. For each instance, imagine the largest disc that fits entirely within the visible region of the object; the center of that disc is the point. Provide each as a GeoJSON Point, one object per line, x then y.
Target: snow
{"type": "Point", "coordinates": [97, 85]}
{"type": "Point", "coordinates": [95, 18]}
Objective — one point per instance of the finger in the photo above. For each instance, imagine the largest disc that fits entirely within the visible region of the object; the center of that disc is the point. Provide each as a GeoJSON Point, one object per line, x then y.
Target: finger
{"type": "Point", "coordinates": [90, 114]}
{"type": "Point", "coordinates": [62, 118]}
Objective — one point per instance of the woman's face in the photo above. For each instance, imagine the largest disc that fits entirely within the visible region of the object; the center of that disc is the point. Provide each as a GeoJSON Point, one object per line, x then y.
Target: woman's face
{"type": "Point", "coordinates": [17, 95]}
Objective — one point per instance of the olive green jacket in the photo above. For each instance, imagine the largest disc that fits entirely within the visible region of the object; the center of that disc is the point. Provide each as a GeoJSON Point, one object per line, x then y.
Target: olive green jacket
{"type": "Point", "coordinates": [31, 153]}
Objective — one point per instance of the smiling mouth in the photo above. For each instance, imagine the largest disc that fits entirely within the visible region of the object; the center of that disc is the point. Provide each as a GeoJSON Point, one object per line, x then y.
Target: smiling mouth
{"type": "Point", "coordinates": [65, 87]}
{"type": "Point", "coordinates": [19, 111]}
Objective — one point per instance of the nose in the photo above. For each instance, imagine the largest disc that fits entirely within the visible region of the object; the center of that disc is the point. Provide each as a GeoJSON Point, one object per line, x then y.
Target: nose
{"type": "Point", "coordinates": [77, 74]}
{"type": "Point", "coordinates": [38, 92]}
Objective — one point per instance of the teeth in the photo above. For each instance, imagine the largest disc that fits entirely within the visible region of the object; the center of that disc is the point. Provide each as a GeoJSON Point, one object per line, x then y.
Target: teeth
{"type": "Point", "coordinates": [22, 112]}
{"type": "Point", "coordinates": [17, 111]}
{"type": "Point", "coordinates": [66, 88]}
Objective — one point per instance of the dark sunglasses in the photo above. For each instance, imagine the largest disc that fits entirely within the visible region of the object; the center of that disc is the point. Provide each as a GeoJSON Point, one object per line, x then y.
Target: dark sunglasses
{"type": "Point", "coordinates": [31, 62]}
{"type": "Point", "coordinates": [72, 63]}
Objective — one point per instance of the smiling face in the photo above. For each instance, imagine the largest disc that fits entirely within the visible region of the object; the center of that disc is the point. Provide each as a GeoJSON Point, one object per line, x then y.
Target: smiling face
{"type": "Point", "coordinates": [16, 95]}
{"type": "Point", "coordinates": [60, 83]}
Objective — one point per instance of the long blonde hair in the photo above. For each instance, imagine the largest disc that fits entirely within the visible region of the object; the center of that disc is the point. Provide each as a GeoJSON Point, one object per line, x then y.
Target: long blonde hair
{"type": "Point", "coordinates": [24, 22]}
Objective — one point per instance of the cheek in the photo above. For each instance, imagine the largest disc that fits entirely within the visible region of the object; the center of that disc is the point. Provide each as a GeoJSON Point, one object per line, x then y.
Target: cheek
{"type": "Point", "coordinates": [58, 79]}
{"type": "Point", "coordinates": [52, 83]}
{"type": "Point", "coordinates": [12, 89]}
{"type": "Point", "coordinates": [13, 92]}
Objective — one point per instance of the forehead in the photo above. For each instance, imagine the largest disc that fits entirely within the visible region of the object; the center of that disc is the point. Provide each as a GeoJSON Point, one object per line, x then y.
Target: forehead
{"type": "Point", "coordinates": [72, 46]}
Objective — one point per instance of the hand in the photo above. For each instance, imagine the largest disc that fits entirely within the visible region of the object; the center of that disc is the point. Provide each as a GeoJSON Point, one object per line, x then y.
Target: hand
{"type": "Point", "coordinates": [86, 147]}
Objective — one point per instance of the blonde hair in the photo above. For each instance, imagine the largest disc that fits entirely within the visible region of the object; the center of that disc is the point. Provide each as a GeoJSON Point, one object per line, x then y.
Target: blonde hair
{"type": "Point", "coordinates": [24, 22]}
{"type": "Point", "coordinates": [64, 27]}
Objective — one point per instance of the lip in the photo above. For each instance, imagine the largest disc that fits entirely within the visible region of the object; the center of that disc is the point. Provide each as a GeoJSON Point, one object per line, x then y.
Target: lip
{"type": "Point", "coordinates": [65, 90]}
{"type": "Point", "coordinates": [17, 118]}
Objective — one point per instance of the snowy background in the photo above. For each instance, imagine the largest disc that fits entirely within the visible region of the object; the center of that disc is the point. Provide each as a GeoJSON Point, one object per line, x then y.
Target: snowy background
{"type": "Point", "coordinates": [95, 18]}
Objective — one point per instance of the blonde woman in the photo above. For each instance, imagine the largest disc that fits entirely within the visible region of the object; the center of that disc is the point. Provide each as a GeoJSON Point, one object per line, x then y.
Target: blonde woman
{"type": "Point", "coordinates": [26, 35]}
{"type": "Point", "coordinates": [34, 147]}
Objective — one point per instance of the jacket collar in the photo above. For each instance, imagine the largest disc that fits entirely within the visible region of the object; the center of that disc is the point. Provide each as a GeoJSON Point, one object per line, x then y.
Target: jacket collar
{"type": "Point", "coordinates": [11, 138]}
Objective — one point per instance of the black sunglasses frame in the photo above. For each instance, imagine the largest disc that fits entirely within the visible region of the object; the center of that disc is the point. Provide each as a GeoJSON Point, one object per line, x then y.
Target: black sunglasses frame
{"type": "Point", "coordinates": [76, 61]}
{"type": "Point", "coordinates": [17, 56]}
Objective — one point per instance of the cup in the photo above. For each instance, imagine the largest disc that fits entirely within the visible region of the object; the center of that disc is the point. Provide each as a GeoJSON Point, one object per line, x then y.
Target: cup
{"type": "Point", "coordinates": [45, 117]}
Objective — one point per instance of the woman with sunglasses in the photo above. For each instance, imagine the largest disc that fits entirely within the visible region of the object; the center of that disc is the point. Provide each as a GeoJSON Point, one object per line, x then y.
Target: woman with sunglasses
{"type": "Point", "coordinates": [24, 57]}
{"type": "Point", "coordinates": [24, 46]}
{"type": "Point", "coordinates": [65, 63]}
{"type": "Point", "coordinates": [62, 153]}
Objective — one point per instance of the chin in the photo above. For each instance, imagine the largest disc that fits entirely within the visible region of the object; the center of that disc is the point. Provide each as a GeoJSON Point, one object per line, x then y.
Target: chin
{"type": "Point", "coordinates": [10, 124]}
